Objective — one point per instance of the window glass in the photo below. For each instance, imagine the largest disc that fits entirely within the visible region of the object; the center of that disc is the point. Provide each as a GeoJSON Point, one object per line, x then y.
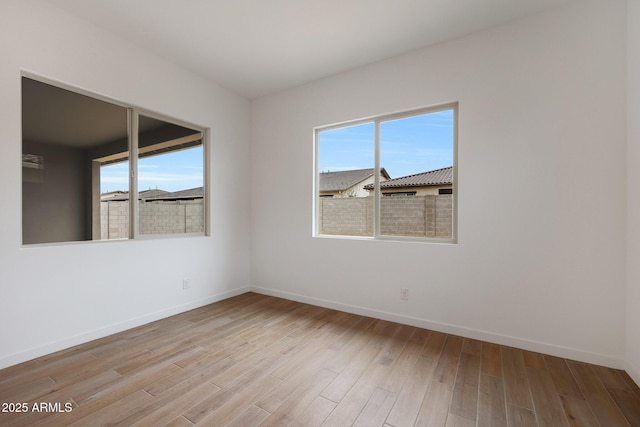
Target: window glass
{"type": "Point", "coordinates": [346, 165]}
{"type": "Point", "coordinates": [409, 156]}
{"type": "Point", "coordinates": [63, 136]}
{"type": "Point", "coordinates": [170, 178]}
{"type": "Point", "coordinates": [77, 172]}
{"type": "Point", "coordinates": [417, 152]}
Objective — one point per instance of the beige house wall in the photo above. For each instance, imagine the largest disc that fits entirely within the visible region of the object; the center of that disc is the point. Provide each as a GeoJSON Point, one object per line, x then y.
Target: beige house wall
{"type": "Point", "coordinates": [420, 191]}
{"type": "Point", "coordinates": [356, 190]}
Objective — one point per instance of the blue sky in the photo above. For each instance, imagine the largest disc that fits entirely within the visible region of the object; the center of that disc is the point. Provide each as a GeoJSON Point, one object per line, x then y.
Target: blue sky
{"type": "Point", "coordinates": [407, 146]}
{"type": "Point", "coordinates": [174, 171]}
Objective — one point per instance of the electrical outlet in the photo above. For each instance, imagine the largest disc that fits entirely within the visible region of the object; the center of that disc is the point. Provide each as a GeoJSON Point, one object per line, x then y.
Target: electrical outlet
{"type": "Point", "coordinates": [185, 284]}
{"type": "Point", "coordinates": [404, 294]}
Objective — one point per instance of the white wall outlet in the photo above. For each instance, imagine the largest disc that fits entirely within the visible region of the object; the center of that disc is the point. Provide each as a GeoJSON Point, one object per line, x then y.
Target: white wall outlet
{"type": "Point", "coordinates": [185, 284]}
{"type": "Point", "coordinates": [404, 294]}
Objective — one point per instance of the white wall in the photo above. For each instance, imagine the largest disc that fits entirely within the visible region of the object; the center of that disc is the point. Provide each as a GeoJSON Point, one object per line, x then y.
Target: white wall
{"type": "Point", "coordinates": [542, 203]}
{"type": "Point", "coordinates": [56, 296]}
{"type": "Point", "coordinates": [633, 191]}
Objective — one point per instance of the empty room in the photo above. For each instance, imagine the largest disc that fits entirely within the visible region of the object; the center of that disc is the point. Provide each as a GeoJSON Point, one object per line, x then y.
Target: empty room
{"type": "Point", "coordinates": [320, 213]}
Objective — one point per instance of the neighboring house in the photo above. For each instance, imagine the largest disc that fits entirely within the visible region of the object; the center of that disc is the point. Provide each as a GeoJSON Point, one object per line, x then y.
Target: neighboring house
{"type": "Point", "coordinates": [155, 194]}
{"type": "Point", "coordinates": [349, 183]}
{"type": "Point", "coordinates": [438, 181]}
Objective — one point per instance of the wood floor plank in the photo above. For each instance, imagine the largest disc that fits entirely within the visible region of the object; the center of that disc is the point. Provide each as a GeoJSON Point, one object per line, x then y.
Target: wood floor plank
{"type": "Point", "coordinates": [402, 369]}
{"type": "Point", "coordinates": [311, 352]}
{"type": "Point", "coordinates": [626, 400]}
{"type": "Point", "coordinates": [547, 403]}
{"type": "Point", "coordinates": [406, 408]}
{"type": "Point", "coordinates": [241, 363]}
{"type": "Point", "coordinates": [521, 417]}
{"type": "Point", "coordinates": [205, 369]}
{"type": "Point", "coordinates": [534, 360]}
{"type": "Point", "coordinates": [66, 392]}
{"type": "Point", "coordinates": [472, 346]}
{"type": "Point", "coordinates": [255, 359]}
{"type": "Point", "coordinates": [245, 389]}
{"type": "Point", "coordinates": [238, 402]}
{"type": "Point", "coordinates": [377, 409]}
{"type": "Point", "coordinates": [298, 401]}
{"type": "Point", "coordinates": [101, 395]}
{"type": "Point", "coordinates": [169, 405]}
{"type": "Point", "coordinates": [121, 389]}
{"type": "Point", "coordinates": [108, 413]}
{"type": "Point", "coordinates": [315, 414]}
{"type": "Point", "coordinates": [434, 409]}
{"type": "Point", "coordinates": [252, 416]}
{"type": "Point", "coordinates": [437, 401]}
{"type": "Point", "coordinates": [576, 407]}
{"type": "Point", "coordinates": [353, 333]}
{"type": "Point", "coordinates": [350, 375]}
{"type": "Point", "coordinates": [491, 360]}
{"type": "Point", "coordinates": [516, 382]}
{"type": "Point", "coordinates": [465, 393]}
{"type": "Point", "coordinates": [357, 341]}
{"type": "Point", "coordinates": [57, 370]}
{"type": "Point", "coordinates": [395, 345]}
{"type": "Point", "coordinates": [29, 390]}
{"type": "Point", "coordinates": [492, 410]}
{"type": "Point", "coordinates": [629, 381]}
{"type": "Point", "coordinates": [454, 420]}
{"type": "Point", "coordinates": [600, 402]}
{"type": "Point", "coordinates": [610, 378]}
{"type": "Point", "coordinates": [347, 411]}
{"type": "Point", "coordinates": [293, 382]}
{"type": "Point", "coordinates": [180, 422]}
{"type": "Point", "coordinates": [14, 372]}
{"type": "Point", "coordinates": [33, 374]}
{"type": "Point", "coordinates": [628, 403]}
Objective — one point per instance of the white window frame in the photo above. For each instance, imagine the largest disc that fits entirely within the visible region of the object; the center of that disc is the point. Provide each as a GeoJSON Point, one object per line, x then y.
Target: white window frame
{"type": "Point", "coordinates": [377, 120]}
{"type": "Point", "coordinates": [133, 114]}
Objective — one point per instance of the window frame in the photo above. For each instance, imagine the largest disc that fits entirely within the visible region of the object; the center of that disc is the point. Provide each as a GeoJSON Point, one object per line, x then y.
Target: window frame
{"type": "Point", "coordinates": [133, 114]}
{"type": "Point", "coordinates": [377, 120]}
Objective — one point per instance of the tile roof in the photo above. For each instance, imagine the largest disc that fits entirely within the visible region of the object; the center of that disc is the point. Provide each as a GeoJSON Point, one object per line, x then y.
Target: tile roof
{"type": "Point", "coordinates": [152, 194]}
{"type": "Point", "coordinates": [156, 194]}
{"type": "Point", "coordinates": [342, 180]}
{"type": "Point", "coordinates": [435, 177]}
{"type": "Point", "coordinates": [185, 194]}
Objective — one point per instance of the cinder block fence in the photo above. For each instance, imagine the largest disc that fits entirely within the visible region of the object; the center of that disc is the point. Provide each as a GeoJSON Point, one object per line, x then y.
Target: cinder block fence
{"type": "Point", "coordinates": [414, 216]}
{"type": "Point", "coordinates": [156, 217]}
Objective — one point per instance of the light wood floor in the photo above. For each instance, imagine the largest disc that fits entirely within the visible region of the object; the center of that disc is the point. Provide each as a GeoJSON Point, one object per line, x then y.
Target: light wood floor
{"type": "Point", "coordinates": [258, 360]}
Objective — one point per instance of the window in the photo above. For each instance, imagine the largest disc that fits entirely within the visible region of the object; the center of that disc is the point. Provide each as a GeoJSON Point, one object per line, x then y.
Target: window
{"type": "Point", "coordinates": [85, 159]}
{"type": "Point", "coordinates": [410, 157]}
{"type": "Point", "coordinates": [401, 193]}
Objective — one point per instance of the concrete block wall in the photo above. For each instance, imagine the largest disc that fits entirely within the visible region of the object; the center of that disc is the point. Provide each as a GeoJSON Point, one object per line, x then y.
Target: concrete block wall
{"type": "Point", "coordinates": [114, 220]}
{"type": "Point", "coordinates": [351, 216]}
{"type": "Point", "coordinates": [413, 216]}
{"type": "Point", "coordinates": [156, 217]}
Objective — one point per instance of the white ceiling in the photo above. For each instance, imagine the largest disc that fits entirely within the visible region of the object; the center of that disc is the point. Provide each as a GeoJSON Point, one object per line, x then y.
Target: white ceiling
{"type": "Point", "coordinates": [257, 47]}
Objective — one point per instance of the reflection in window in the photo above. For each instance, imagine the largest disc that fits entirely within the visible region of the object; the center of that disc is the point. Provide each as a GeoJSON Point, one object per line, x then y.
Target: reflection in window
{"type": "Point", "coordinates": [62, 133]}
{"type": "Point", "coordinates": [76, 170]}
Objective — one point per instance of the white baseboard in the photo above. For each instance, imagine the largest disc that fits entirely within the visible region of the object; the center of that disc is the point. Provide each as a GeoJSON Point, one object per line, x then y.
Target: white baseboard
{"type": "Point", "coordinates": [32, 353]}
{"type": "Point", "coordinates": [540, 347]}
{"type": "Point", "coordinates": [555, 350]}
